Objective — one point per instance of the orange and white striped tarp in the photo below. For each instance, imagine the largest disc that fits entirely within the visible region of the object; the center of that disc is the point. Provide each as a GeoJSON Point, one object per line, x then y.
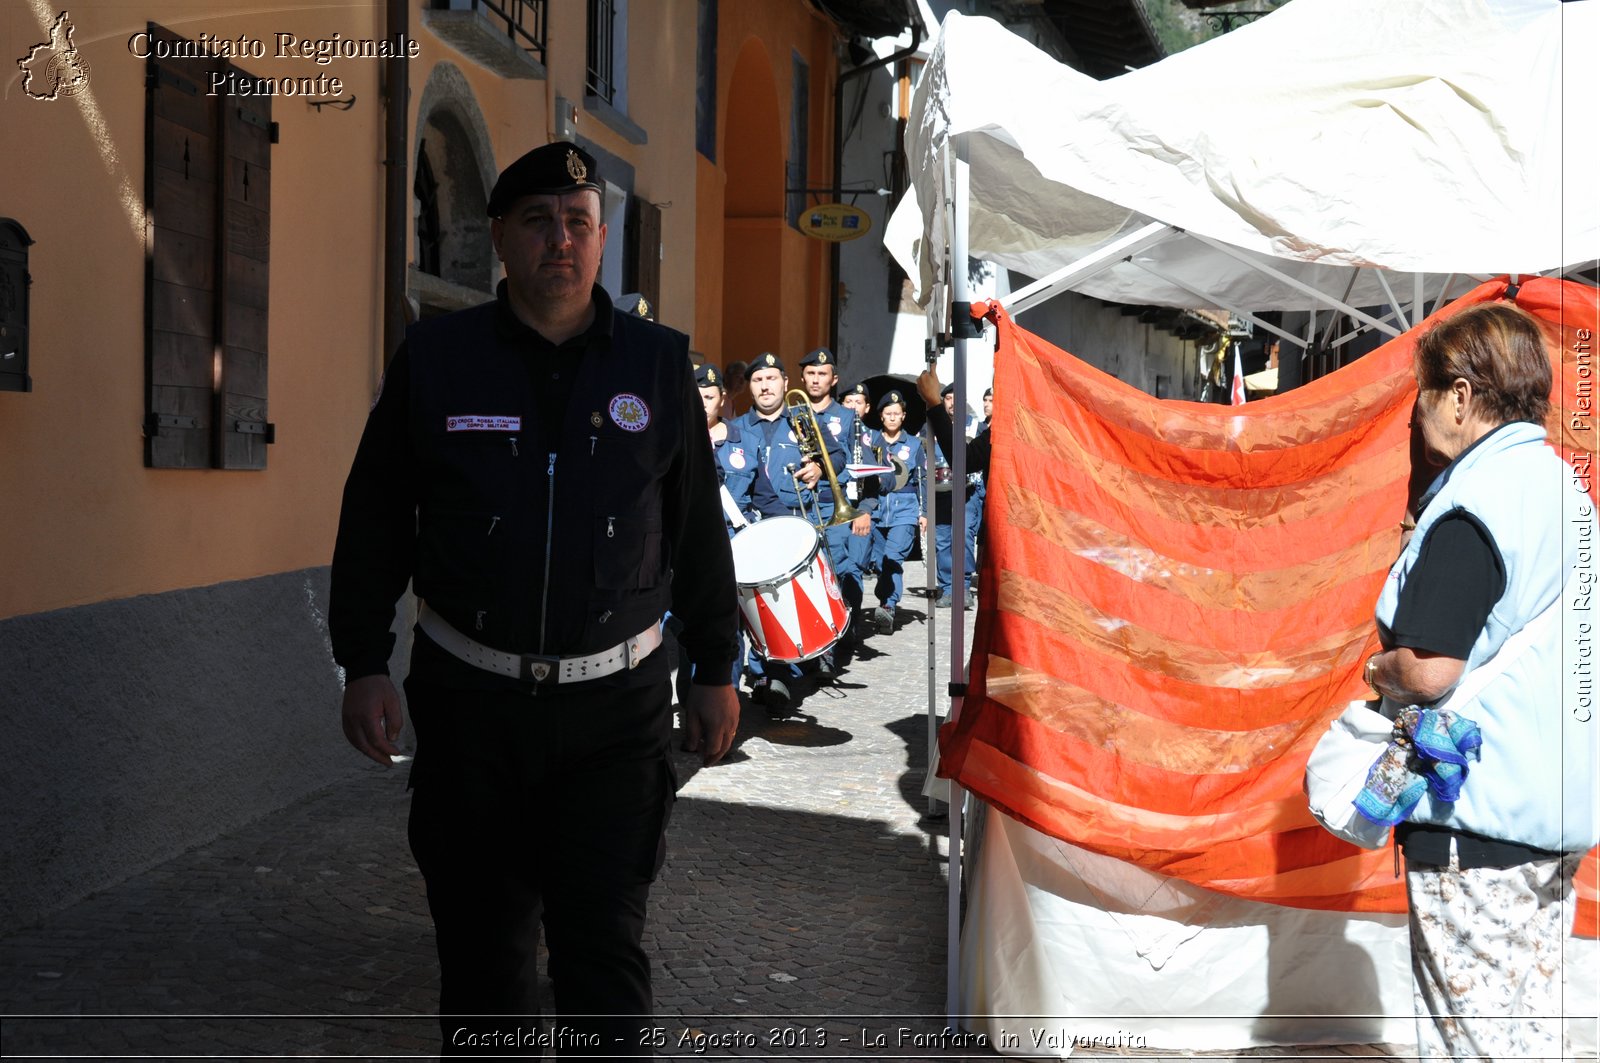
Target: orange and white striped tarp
{"type": "Point", "coordinates": [1176, 598]}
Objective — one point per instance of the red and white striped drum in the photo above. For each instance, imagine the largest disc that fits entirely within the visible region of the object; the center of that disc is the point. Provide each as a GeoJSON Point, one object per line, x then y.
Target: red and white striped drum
{"type": "Point", "coordinates": [788, 595]}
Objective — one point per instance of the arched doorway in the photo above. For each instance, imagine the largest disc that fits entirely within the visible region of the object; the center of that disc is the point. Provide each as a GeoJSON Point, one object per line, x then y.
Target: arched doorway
{"type": "Point", "coordinates": [453, 165]}
{"type": "Point", "coordinates": [753, 204]}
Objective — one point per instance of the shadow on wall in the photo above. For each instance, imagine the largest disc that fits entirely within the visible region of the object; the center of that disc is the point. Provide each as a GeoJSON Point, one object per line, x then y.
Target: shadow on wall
{"type": "Point", "coordinates": [139, 728]}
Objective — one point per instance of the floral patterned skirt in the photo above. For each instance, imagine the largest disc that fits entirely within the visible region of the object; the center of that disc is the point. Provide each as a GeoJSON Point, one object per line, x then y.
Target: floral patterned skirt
{"type": "Point", "coordinates": [1486, 955]}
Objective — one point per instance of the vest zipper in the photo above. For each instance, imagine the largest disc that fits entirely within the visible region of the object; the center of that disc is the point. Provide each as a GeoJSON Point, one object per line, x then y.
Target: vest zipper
{"type": "Point", "coordinates": [549, 527]}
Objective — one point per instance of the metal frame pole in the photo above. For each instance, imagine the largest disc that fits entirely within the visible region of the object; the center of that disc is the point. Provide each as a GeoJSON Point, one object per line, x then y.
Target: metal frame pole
{"type": "Point", "coordinates": [960, 289]}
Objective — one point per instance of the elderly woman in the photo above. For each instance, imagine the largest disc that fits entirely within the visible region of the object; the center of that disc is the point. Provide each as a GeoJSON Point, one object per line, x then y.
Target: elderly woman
{"type": "Point", "coordinates": [1503, 534]}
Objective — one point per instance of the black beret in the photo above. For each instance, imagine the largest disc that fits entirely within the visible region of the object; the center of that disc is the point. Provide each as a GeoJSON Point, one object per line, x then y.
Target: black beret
{"type": "Point", "coordinates": [637, 305]}
{"type": "Point", "coordinates": [707, 376]}
{"type": "Point", "coordinates": [765, 360]}
{"type": "Point", "coordinates": [892, 398]}
{"type": "Point", "coordinates": [857, 389]}
{"type": "Point", "coordinates": [988, 393]}
{"type": "Point", "coordinates": [949, 389]}
{"type": "Point", "coordinates": [820, 356]}
{"type": "Point", "coordinates": [551, 170]}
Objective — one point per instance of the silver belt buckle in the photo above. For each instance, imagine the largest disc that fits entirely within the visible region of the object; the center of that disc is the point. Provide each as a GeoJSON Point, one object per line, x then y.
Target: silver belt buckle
{"type": "Point", "coordinates": [539, 667]}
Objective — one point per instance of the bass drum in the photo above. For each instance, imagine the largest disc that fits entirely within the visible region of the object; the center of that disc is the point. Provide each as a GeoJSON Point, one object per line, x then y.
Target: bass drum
{"type": "Point", "coordinates": [789, 598]}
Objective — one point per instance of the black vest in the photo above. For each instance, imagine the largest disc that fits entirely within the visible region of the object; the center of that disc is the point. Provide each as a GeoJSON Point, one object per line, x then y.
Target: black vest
{"type": "Point", "coordinates": [489, 493]}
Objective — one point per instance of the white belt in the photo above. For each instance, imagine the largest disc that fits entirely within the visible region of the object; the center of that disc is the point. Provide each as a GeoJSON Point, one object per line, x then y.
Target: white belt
{"type": "Point", "coordinates": [538, 667]}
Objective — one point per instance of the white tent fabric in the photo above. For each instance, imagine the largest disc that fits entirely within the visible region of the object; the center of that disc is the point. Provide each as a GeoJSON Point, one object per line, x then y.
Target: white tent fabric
{"type": "Point", "coordinates": [1053, 949]}
{"type": "Point", "coordinates": [1440, 137]}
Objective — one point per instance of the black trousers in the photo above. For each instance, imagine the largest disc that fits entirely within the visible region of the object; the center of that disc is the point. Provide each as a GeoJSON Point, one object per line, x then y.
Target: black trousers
{"type": "Point", "coordinates": [530, 810]}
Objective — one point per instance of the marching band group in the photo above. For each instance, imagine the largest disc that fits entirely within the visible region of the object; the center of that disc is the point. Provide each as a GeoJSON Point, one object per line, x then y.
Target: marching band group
{"type": "Point", "coordinates": [801, 457]}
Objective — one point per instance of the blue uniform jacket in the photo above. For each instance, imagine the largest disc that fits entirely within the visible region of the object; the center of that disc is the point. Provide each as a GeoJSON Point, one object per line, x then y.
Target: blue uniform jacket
{"type": "Point", "coordinates": [904, 506]}
{"type": "Point", "coordinates": [773, 461]}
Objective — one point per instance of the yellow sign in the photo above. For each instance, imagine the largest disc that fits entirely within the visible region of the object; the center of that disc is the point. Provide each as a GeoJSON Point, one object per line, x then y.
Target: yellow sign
{"type": "Point", "coordinates": [835, 222]}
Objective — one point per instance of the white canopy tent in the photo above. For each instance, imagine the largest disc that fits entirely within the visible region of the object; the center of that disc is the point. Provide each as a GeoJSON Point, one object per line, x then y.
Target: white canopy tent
{"type": "Point", "coordinates": [1310, 156]}
{"type": "Point", "coordinates": [1334, 155]}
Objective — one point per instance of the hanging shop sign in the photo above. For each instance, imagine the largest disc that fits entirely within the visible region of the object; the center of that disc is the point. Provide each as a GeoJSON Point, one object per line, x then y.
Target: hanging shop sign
{"type": "Point", "coordinates": [835, 222]}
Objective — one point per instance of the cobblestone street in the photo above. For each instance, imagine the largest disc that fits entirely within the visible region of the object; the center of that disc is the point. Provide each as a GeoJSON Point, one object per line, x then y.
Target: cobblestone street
{"type": "Point", "coordinates": [804, 893]}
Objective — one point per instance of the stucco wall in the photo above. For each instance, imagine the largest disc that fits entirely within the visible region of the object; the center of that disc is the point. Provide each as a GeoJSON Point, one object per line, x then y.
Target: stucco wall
{"type": "Point", "coordinates": [85, 521]}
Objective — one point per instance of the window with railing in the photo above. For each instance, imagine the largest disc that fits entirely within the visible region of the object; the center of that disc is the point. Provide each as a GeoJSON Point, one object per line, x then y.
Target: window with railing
{"type": "Point", "coordinates": [519, 23]}
{"type": "Point", "coordinates": [602, 73]}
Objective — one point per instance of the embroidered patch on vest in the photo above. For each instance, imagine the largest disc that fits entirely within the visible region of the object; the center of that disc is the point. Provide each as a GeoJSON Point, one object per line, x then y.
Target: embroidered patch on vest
{"type": "Point", "coordinates": [736, 457]}
{"type": "Point", "coordinates": [629, 413]}
{"type": "Point", "coordinates": [479, 422]}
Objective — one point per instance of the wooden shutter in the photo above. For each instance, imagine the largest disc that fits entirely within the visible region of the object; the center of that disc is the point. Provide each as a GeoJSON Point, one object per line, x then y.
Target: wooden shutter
{"type": "Point", "coordinates": [243, 431]}
{"type": "Point", "coordinates": [208, 189]}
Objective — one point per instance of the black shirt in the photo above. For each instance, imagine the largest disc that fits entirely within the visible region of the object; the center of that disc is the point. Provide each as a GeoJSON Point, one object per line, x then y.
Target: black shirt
{"type": "Point", "coordinates": [1456, 580]}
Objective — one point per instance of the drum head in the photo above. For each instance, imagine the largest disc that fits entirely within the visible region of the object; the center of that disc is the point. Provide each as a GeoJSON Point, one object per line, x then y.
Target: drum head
{"type": "Point", "coordinates": [772, 549]}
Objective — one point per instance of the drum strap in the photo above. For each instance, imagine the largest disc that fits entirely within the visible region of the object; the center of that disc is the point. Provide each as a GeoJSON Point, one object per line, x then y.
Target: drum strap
{"type": "Point", "coordinates": [731, 508]}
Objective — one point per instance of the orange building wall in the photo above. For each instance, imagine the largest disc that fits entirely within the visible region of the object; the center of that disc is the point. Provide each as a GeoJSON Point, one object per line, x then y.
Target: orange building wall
{"type": "Point", "coordinates": [81, 518]}
{"type": "Point", "coordinates": [790, 313]}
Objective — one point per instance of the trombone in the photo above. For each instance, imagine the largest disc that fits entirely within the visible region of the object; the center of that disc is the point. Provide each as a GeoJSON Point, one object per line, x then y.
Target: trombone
{"type": "Point", "coordinates": [808, 434]}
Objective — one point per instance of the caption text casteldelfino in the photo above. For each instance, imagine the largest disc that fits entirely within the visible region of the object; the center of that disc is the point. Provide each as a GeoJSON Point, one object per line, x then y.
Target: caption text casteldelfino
{"type": "Point", "coordinates": [319, 50]}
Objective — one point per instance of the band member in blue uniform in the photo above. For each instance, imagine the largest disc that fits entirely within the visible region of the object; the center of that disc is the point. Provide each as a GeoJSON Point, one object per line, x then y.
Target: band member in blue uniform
{"type": "Point", "coordinates": [977, 488]}
{"type": "Point", "coordinates": [899, 516]}
{"type": "Point", "coordinates": [846, 542]}
{"type": "Point", "coordinates": [786, 484]}
{"type": "Point", "coordinates": [736, 472]}
{"type": "Point", "coordinates": [864, 494]}
{"type": "Point", "coordinates": [944, 496]}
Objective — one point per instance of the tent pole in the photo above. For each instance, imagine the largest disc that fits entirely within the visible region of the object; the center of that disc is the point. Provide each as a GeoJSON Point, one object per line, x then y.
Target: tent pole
{"type": "Point", "coordinates": [1046, 287]}
{"type": "Point", "coordinates": [1394, 304]}
{"type": "Point", "coordinates": [1444, 292]}
{"type": "Point", "coordinates": [1236, 310]}
{"type": "Point", "coordinates": [961, 294]}
{"type": "Point", "coordinates": [1298, 285]}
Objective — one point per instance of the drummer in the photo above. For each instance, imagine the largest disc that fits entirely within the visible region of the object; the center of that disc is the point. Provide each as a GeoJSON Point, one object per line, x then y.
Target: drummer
{"type": "Point", "coordinates": [781, 475]}
{"type": "Point", "coordinates": [899, 518]}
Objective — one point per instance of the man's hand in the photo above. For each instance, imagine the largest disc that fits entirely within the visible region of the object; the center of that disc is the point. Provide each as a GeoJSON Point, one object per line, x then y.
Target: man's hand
{"type": "Point", "coordinates": [928, 387]}
{"type": "Point", "coordinates": [862, 525]}
{"type": "Point", "coordinates": [710, 720]}
{"type": "Point", "coordinates": [372, 717]}
{"type": "Point", "coordinates": [809, 474]}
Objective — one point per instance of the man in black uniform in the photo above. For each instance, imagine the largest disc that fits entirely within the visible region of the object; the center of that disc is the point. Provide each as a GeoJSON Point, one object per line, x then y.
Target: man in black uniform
{"type": "Point", "coordinates": [538, 467]}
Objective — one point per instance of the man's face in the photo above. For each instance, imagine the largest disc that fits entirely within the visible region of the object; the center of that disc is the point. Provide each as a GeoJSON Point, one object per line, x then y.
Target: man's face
{"type": "Point", "coordinates": [988, 406]}
{"type": "Point", "coordinates": [894, 415]}
{"type": "Point", "coordinates": [818, 380]}
{"type": "Point", "coordinates": [711, 399]}
{"type": "Point", "coordinates": [767, 387]}
{"type": "Point", "coordinates": [551, 247]}
{"type": "Point", "coordinates": [950, 404]}
{"type": "Point", "coordinates": [856, 403]}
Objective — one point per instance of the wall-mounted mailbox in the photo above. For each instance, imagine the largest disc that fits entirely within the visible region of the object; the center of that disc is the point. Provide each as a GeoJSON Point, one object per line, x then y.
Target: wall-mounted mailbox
{"type": "Point", "coordinates": [14, 281]}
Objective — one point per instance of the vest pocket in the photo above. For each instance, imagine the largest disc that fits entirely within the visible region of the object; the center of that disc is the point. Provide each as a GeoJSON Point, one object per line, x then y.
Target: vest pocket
{"type": "Point", "coordinates": [628, 551]}
{"type": "Point", "coordinates": [462, 562]}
